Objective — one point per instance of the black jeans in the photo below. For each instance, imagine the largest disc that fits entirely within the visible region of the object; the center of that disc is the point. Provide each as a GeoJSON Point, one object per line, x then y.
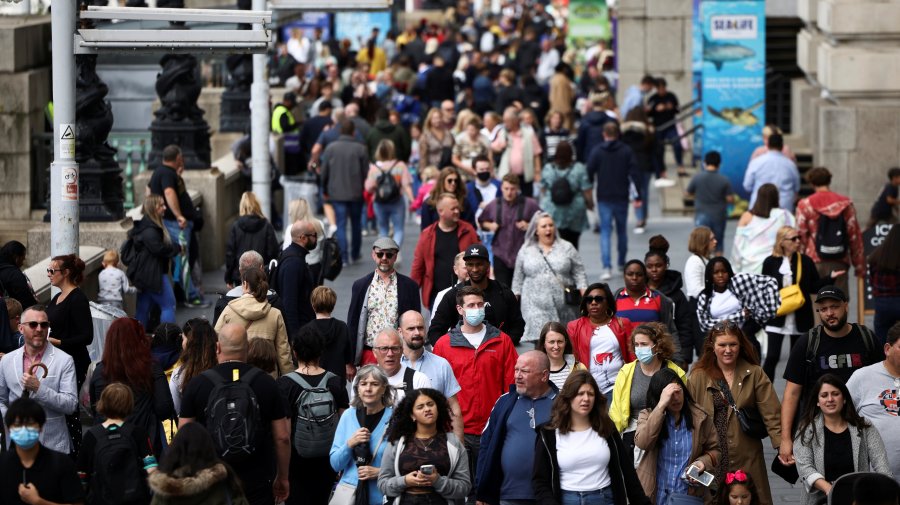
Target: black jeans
{"type": "Point", "coordinates": [473, 444]}
{"type": "Point", "coordinates": [774, 354]}
{"type": "Point", "coordinates": [422, 499]}
{"type": "Point", "coordinates": [503, 273]}
{"type": "Point", "coordinates": [570, 236]}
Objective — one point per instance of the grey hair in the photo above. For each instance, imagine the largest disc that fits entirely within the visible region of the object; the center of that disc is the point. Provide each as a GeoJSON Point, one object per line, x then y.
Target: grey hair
{"type": "Point", "coordinates": [373, 371]}
{"type": "Point", "coordinates": [248, 260]}
{"type": "Point", "coordinates": [531, 232]}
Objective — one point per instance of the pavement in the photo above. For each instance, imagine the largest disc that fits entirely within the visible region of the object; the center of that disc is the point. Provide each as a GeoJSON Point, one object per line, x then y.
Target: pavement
{"type": "Point", "coordinates": [676, 229]}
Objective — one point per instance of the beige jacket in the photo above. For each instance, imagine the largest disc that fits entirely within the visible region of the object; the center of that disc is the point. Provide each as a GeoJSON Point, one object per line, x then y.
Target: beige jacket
{"type": "Point", "coordinates": [261, 321]}
{"type": "Point", "coordinates": [704, 446]}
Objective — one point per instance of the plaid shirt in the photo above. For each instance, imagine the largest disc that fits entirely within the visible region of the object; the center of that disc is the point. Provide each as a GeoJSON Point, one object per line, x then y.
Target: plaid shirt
{"type": "Point", "coordinates": [759, 294]}
{"type": "Point", "coordinates": [884, 282]}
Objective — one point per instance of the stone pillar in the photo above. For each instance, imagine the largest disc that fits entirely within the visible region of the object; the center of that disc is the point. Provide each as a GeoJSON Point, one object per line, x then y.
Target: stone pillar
{"type": "Point", "coordinates": [654, 37]}
{"type": "Point", "coordinates": [850, 55]}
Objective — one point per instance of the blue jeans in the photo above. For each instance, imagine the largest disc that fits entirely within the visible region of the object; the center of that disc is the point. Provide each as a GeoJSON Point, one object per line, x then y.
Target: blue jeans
{"type": "Point", "coordinates": [183, 237]}
{"type": "Point", "coordinates": [608, 212]}
{"type": "Point", "coordinates": [659, 161]}
{"type": "Point", "coordinates": [487, 238]}
{"type": "Point", "coordinates": [716, 224]}
{"type": "Point", "coordinates": [387, 214]}
{"type": "Point", "coordinates": [342, 211]}
{"type": "Point", "coordinates": [887, 312]}
{"type": "Point", "coordinates": [165, 299]}
{"type": "Point", "coordinates": [600, 497]}
{"type": "Point", "coordinates": [644, 189]}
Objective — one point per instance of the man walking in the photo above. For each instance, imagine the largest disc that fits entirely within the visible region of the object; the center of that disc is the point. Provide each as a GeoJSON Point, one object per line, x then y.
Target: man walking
{"type": "Point", "coordinates": [179, 218]}
{"type": "Point", "coordinates": [712, 193]}
{"type": "Point", "coordinates": [775, 168]}
{"type": "Point", "coordinates": [506, 219]}
{"type": "Point", "coordinates": [388, 352]}
{"type": "Point", "coordinates": [294, 281]}
{"type": "Point", "coordinates": [344, 170]}
{"type": "Point", "coordinates": [613, 167]}
{"type": "Point", "coordinates": [377, 300]}
{"type": "Point", "coordinates": [520, 151]}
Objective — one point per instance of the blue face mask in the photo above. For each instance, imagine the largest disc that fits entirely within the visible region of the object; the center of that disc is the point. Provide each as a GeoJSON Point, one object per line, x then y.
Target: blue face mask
{"type": "Point", "coordinates": [474, 317]}
{"type": "Point", "coordinates": [24, 436]}
{"type": "Point", "coordinates": [644, 354]}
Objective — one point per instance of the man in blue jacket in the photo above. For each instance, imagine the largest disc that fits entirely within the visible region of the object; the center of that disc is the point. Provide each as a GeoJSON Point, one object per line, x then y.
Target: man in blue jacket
{"type": "Point", "coordinates": [506, 457]}
{"type": "Point", "coordinates": [294, 281]}
{"type": "Point", "coordinates": [613, 167]}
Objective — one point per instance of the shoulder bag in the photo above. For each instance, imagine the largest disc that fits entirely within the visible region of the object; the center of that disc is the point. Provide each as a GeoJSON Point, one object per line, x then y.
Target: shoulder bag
{"type": "Point", "coordinates": [750, 419]}
{"type": "Point", "coordinates": [571, 295]}
{"type": "Point", "coordinates": [791, 296]}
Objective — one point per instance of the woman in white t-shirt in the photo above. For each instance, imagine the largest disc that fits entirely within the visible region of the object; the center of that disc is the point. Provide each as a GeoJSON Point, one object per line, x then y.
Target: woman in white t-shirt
{"type": "Point", "coordinates": [579, 457]}
{"type": "Point", "coordinates": [555, 343]}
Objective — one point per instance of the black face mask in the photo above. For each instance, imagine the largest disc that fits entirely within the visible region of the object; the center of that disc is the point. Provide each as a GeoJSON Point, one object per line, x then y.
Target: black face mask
{"type": "Point", "coordinates": [483, 176]}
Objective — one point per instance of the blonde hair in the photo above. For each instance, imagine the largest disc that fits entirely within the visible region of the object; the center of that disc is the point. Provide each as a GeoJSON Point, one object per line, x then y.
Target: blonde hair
{"type": "Point", "coordinates": [430, 172]}
{"type": "Point", "coordinates": [784, 231]}
{"type": "Point", "coordinates": [150, 204]}
{"type": "Point", "coordinates": [699, 241]}
{"type": "Point", "coordinates": [426, 126]}
{"type": "Point", "coordinates": [463, 118]}
{"type": "Point", "coordinates": [385, 150]}
{"type": "Point", "coordinates": [298, 210]}
{"type": "Point", "coordinates": [110, 257]}
{"type": "Point", "coordinates": [250, 205]}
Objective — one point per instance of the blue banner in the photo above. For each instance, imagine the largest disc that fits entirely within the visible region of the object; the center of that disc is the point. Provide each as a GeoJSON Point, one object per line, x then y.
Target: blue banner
{"type": "Point", "coordinates": [734, 82]}
{"type": "Point", "coordinates": [357, 26]}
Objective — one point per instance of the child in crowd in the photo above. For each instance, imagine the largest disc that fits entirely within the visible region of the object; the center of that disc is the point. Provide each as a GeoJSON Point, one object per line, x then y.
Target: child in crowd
{"type": "Point", "coordinates": [738, 489]}
{"type": "Point", "coordinates": [113, 282]}
{"type": "Point", "coordinates": [262, 355]}
{"type": "Point", "coordinates": [14, 311]}
{"type": "Point", "coordinates": [883, 210]}
{"type": "Point", "coordinates": [429, 178]}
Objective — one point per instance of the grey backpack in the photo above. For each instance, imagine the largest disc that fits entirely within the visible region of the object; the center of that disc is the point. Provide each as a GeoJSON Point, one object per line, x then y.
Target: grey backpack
{"type": "Point", "coordinates": [316, 417]}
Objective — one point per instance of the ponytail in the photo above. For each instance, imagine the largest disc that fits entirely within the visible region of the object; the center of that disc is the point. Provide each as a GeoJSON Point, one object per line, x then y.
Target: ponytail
{"type": "Point", "coordinates": [256, 281]}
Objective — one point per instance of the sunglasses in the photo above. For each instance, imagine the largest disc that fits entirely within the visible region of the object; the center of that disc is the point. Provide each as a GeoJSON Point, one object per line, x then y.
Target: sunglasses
{"type": "Point", "coordinates": [385, 254]}
{"type": "Point", "coordinates": [35, 324]}
{"type": "Point", "coordinates": [793, 239]}
{"type": "Point", "coordinates": [451, 181]}
{"type": "Point", "coordinates": [594, 299]}
{"type": "Point", "coordinates": [51, 271]}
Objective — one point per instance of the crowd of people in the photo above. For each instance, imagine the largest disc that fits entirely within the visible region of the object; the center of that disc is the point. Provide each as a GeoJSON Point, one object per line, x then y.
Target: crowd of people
{"type": "Point", "coordinates": [496, 372]}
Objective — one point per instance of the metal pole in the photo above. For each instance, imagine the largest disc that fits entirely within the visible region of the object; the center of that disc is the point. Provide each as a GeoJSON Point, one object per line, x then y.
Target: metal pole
{"type": "Point", "coordinates": [259, 132]}
{"type": "Point", "coordinates": [63, 170]}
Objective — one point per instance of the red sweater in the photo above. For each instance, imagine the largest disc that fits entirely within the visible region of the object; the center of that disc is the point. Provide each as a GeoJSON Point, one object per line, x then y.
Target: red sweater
{"type": "Point", "coordinates": [581, 330]}
{"type": "Point", "coordinates": [423, 260]}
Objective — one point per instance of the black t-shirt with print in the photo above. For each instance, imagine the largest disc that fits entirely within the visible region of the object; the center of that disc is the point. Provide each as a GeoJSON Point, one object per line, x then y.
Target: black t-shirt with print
{"type": "Point", "coordinates": [838, 356]}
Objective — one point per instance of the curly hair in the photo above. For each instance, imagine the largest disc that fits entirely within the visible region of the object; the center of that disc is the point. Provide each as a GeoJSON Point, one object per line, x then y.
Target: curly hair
{"type": "Point", "coordinates": [402, 424]}
{"type": "Point", "coordinates": [659, 335]}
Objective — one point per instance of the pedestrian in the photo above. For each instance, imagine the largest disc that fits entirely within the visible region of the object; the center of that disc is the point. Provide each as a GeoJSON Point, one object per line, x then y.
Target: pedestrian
{"type": "Point", "coordinates": [112, 282]}
{"type": "Point", "coordinates": [389, 180]}
{"type": "Point", "coordinates": [738, 489]}
{"type": "Point", "coordinates": [613, 167]}
{"type": "Point", "coordinates": [773, 168]}
{"type": "Point", "coordinates": [884, 210]}
{"type": "Point", "coordinates": [640, 303]}
{"type": "Point", "coordinates": [590, 129]}
{"type": "Point", "coordinates": [299, 210]}
{"type": "Point", "coordinates": [884, 279]}
{"type": "Point", "coordinates": [663, 108]}
{"type": "Point", "coordinates": [388, 351]}
{"type": "Point", "coordinates": [293, 278]}
{"type": "Point", "coordinates": [712, 194]}
{"type": "Point", "coordinates": [829, 230]}
{"type": "Point", "coordinates": [507, 218]}
{"type": "Point", "coordinates": [15, 283]}
{"type": "Point", "coordinates": [449, 181]}
{"type": "Point", "coordinates": [555, 343]}
{"type": "Point", "coordinates": [756, 231]}
{"type": "Point", "coordinates": [337, 355]}
{"type": "Point", "coordinates": [519, 150]}
{"type": "Point", "coordinates": [343, 174]}
{"type": "Point", "coordinates": [566, 193]}
{"type": "Point", "coordinates": [436, 142]}
{"type": "Point", "coordinates": [149, 272]}
{"type": "Point", "coordinates": [701, 244]}
{"type": "Point", "coordinates": [250, 232]}
{"type": "Point", "coordinates": [670, 282]}
{"type": "Point", "coordinates": [198, 355]}
{"type": "Point", "coordinates": [556, 131]}
{"type": "Point", "coordinates": [637, 133]}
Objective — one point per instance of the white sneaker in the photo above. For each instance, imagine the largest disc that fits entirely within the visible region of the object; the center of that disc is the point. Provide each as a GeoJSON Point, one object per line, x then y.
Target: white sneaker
{"type": "Point", "coordinates": [663, 183]}
{"type": "Point", "coordinates": [605, 275]}
{"type": "Point", "coordinates": [332, 229]}
{"type": "Point", "coordinates": [639, 230]}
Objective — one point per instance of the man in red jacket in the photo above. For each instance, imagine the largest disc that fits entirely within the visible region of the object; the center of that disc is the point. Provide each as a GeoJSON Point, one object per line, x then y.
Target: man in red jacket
{"type": "Point", "coordinates": [838, 209]}
{"type": "Point", "coordinates": [483, 359]}
{"type": "Point", "coordinates": [439, 243]}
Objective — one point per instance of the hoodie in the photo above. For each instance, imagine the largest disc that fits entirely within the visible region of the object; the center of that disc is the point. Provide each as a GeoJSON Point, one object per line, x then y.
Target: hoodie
{"type": "Point", "coordinates": [830, 204]}
{"type": "Point", "coordinates": [613, 168]}
{"type": "Point", "coordinates": [249, 233]}
{"type": "Point", "coordinates": [384, 129]}
{"type": "Point", "coordinates": [672, 286]}
{"type": "Point", "coordinates": [590, 133]}
{"type": "Point", "coordinates": [261, 320]}
{"type": "Point", "coordinates": [210, 486]}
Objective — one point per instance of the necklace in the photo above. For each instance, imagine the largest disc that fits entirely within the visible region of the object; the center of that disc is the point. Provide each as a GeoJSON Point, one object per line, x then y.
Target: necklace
{"type": "Point", "coordinates": [426, 446]}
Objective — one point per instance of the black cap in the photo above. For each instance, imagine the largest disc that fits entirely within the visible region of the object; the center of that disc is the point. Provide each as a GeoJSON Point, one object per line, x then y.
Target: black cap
{"type": "Point", "coordinates": [831, 292]}
{"type": "Point", "coordinates": [477, 251]}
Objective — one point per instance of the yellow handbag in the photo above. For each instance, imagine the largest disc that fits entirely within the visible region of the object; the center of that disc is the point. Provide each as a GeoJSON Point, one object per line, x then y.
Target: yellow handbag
{"type": "Point", "coordinates": [791, 296]}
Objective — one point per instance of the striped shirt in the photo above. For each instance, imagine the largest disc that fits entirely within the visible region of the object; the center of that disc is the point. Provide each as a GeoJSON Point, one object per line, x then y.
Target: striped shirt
{"type": "Point", "coordinates": [645, 309]}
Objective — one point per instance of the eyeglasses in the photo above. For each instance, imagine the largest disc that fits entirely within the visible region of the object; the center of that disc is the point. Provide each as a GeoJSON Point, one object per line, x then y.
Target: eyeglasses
{"type": "Point", "coordinates": [50, 271]}
{"type": "Point", "coordinates": [793, 239]}
{"type": "Point", "coordinates": [598, 299]}
{"type": "Point", "coordinates": [35, 324]}
{"type": "Point", "coordinates": [385, 254]}
{"type": "Point", "coordinates": [388, 349]}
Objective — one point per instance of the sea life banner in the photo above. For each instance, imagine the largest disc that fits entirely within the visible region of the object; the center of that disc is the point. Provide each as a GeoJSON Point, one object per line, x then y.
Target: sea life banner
{"type": "Point", "coordinates": [733, 82]}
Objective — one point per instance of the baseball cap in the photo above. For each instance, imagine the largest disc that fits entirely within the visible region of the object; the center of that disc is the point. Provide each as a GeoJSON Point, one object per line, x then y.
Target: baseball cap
{"type": "Point", "coordinates": [385, 244]}
{"type": "Point", "coordinates": [477, 251]}
{"type": "Point", "coordinates": [830, 292]}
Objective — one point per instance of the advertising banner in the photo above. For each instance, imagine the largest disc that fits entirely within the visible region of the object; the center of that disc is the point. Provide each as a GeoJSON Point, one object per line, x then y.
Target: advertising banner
{"type": "Point", "coordinates": [310, 21]}
{"type": "Point", "coordinates": [357, 26]}
{"type": "Point", "coordinates": [588, 22]}
{"type": "Point", "coordinates": [733, 84]}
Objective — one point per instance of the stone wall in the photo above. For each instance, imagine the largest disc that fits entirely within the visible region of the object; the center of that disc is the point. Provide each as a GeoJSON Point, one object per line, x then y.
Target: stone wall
{"type": "Point", "coordinates": [848, 107]}
{"type": "Point", "coordinates": [654, 37]}
{"type": "Point", "coordinates": [24, 91]}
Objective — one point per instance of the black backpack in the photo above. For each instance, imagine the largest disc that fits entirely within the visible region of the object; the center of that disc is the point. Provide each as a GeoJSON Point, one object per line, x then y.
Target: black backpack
{"type": "Point", "coordinates": [232, 415]}
{"type": "Point", "coordinates": [332, 264]}
{"type": "Point", "coordinates": [315, 417]}
{"type": "Point", "coordinates": [387, 190]}
{"type": "Point", "coordinates": [561, 192]}
{"type": "Point", "coordinates": [118, 476]}
{"type": "Point", "coordinates": [831, 237]}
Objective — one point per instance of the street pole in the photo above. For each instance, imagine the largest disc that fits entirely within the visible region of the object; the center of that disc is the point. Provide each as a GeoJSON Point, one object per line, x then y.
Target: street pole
{"type": "Point", "coordinates": [259, 132]}
{"type": "Point", "coordinates": [64, 169]}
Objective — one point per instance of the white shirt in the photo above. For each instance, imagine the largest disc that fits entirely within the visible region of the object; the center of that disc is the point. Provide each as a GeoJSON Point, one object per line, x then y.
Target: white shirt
{"type": "Point", "coordinates": [694, 276]}
{"type": "Point", "coordinates": [724, 304]}
{"type": "Point", "coordinates": [583, 458]}
{"type": "Point", "coordinates": [606, 357]}
{"type": "Point", "coordinates": [790, 320]}
{"type": "Point", "coordinates": [475, 338]}
{"type": "Point", "coordinates": [547, 66]}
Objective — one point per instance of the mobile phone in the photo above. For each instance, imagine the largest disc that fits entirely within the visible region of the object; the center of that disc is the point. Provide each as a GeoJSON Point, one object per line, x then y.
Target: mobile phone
{"type": "Point", "coordinates": [704, 478]}
{"type": "Point", "coordinates": [426, 469]}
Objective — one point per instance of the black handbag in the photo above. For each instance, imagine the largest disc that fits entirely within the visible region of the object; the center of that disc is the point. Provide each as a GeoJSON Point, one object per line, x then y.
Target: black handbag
{"type": "Point", "coordinates": [749, 418]}
{"type": "Point", "coordinates": [787, 472]}
{"type": "Point", "coordinates": [571, 294]}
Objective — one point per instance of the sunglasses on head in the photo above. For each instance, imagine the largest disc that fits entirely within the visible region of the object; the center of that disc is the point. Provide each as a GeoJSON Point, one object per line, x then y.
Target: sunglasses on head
{"type": "Point", "coordinates": [35, 324]}
{"type": "Point", "coordinates": [724, 326]}
{"type": "Point", "coordinates": [387, 254]}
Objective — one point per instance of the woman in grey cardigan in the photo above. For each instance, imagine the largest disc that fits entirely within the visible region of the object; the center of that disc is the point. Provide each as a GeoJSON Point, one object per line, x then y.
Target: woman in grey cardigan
{"type": "Point", "coordinates": [424, 462]}
{"type": "Point", "coordinates": [833, 440]}
{"type": "Point", "coordinates": [545, 267]}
